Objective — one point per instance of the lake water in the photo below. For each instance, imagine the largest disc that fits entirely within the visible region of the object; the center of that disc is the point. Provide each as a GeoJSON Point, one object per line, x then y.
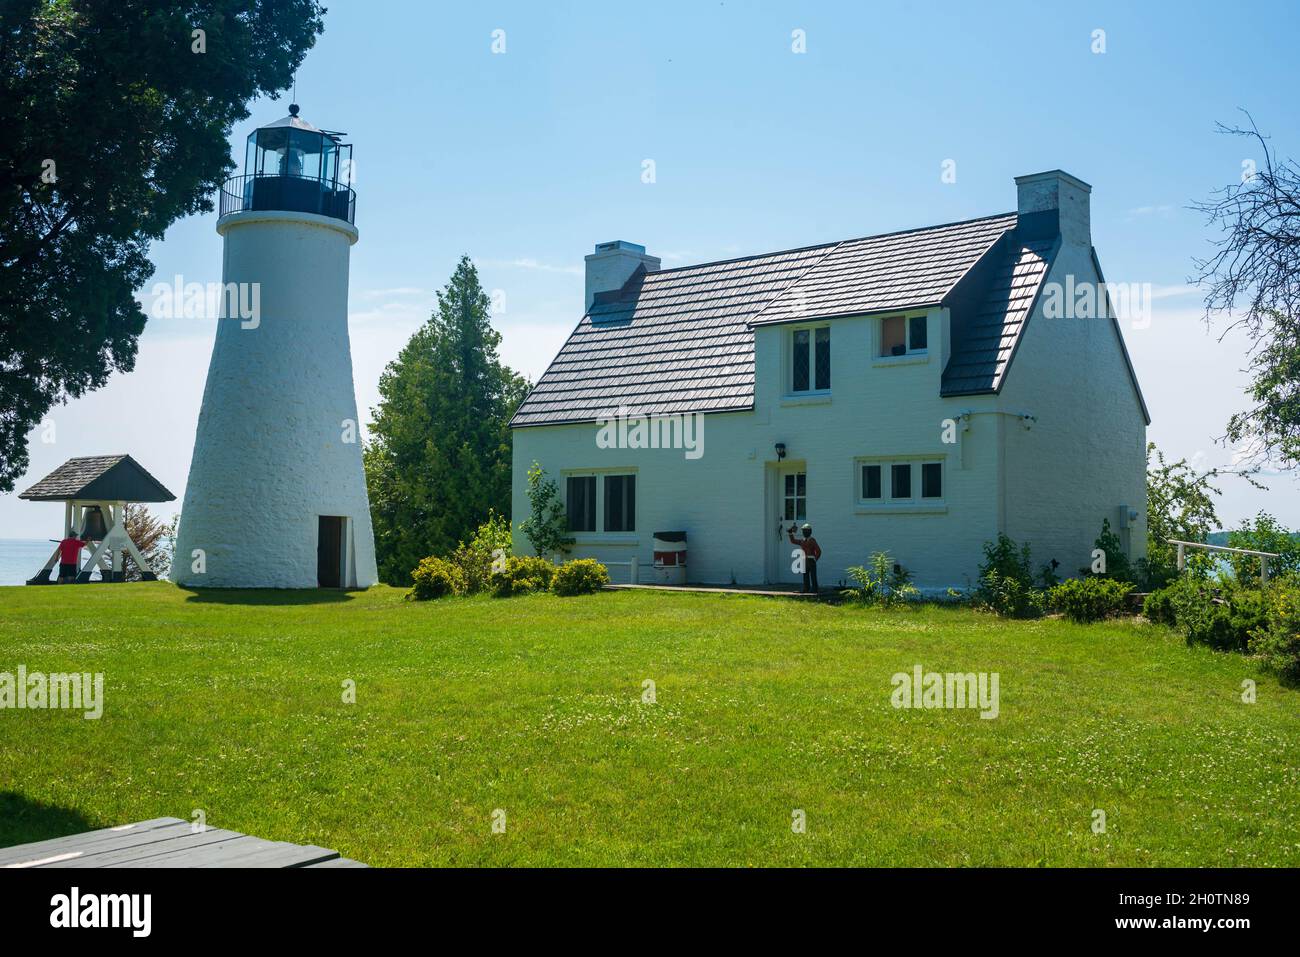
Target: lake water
{"type": "Point", "coordinates": [21, 557]}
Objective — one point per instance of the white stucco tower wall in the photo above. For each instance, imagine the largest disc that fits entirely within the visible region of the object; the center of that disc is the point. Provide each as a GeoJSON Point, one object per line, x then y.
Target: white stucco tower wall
{"type": "Point", "coordinates": [278, 442]}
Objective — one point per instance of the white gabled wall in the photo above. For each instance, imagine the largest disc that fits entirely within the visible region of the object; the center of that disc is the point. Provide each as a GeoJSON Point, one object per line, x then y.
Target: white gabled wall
{"type": "Point", "coordinates": [1085, 456]}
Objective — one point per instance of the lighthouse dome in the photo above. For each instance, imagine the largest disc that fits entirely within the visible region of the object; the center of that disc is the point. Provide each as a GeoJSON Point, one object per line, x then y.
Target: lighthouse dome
{"type": "Point", "coordinates": [294, 166]}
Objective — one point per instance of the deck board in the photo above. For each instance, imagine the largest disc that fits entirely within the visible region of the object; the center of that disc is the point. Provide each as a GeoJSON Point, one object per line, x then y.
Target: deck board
{"type": "Point", "coordinates": [168, 842]}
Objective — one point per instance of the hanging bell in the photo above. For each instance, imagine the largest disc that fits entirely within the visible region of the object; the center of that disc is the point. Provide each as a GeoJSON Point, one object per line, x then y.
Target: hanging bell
{"type": "Point", "coordinates": [93, 528]}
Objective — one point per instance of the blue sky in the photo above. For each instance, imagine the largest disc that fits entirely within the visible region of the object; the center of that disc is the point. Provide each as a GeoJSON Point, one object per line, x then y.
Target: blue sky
{"type": "Point", "coordinates": [527, 158]}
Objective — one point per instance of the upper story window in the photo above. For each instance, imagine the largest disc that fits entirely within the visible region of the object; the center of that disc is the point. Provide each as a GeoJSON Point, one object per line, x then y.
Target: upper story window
{"type": "Point", "coordinates": [903, 335]}
{"type": "Point", "coordinates": [810, 359]}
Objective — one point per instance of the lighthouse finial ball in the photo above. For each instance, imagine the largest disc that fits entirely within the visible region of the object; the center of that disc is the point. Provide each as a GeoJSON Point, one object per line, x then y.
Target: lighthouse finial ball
{"type": "Point", "coordinates": [293, 109]}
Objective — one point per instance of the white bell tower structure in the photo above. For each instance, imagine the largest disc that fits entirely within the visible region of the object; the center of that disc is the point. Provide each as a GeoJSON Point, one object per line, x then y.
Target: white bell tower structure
{"type": "Point", "coordinates": [276, 496]}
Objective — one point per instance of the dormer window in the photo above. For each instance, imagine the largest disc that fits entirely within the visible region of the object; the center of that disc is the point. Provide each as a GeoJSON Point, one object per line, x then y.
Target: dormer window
{"type": "Point", "coordinates": [810, 359]}
{"type": "Point", "coordinates": [902, 336]}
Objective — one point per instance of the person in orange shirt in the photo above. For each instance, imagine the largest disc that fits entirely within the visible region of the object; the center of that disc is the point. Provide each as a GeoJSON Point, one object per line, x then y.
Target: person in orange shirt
{"type": "Point", "coordinates": [811, 553]}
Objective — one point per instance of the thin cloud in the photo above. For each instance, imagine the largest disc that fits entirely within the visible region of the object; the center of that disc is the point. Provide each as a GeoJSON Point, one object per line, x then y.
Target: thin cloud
{"type": "Point", "coordinates": [535, 266]}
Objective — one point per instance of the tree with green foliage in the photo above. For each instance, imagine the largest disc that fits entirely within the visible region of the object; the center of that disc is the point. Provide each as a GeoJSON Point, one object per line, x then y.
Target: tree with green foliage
{"type": "Point", "coordinates": [547, 526]}
{"type": "Point", "coordinates": [1180, 505]}
{"type": "Point", "coordinates": [1264, 534]}
{"type": "Point", "coordinates": [438, 460]}
{"type": "Point", "coordinates": [116, 122]}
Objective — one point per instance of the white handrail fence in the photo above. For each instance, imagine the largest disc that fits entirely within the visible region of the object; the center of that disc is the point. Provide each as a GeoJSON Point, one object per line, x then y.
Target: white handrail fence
{"type": "Point", "coordinates": [1263, 556]}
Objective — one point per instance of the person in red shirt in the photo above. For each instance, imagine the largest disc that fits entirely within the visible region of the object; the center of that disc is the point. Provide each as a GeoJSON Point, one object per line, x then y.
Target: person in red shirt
{"type": "Point", "coordinates": [811, 553]}
{"type": "Point", "coordinates": [70, 558]}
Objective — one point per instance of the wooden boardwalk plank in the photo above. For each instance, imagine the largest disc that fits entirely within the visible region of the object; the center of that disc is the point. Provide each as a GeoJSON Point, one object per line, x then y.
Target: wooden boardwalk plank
{"type": "Point", "coordinates": [209, 855]}
{"type": "Point", "coordinates": [10, 856]}
{"type": "Point", "coordinates": [168, 842]}
{"type": "Point", "coordinates": [340, 862]}
{"type": "Point", "coordinates": [186, 841]}
{"type": "Point", "coordinates": [286, 855]}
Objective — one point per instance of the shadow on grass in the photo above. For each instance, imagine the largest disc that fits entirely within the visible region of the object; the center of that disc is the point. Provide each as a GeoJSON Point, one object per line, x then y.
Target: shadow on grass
{"type": "Point", "coordinates": [23, 820]}
{"type": "Point", "coordinates": [267, 596]}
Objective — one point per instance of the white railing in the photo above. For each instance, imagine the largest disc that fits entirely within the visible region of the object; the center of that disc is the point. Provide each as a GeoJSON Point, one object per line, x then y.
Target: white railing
{"type": "Point", "coordinates": [634, 569]}
{"type": "Point", "coordinates": [1263, 556]}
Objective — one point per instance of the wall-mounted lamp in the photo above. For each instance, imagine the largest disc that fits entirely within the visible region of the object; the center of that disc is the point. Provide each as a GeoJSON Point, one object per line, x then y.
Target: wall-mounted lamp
{"type": "Point", "coordinates": [780, 451]}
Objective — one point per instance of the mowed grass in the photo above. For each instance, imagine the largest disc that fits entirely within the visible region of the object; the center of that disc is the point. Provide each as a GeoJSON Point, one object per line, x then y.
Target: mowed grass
{"type": "Point", "coordinates": [232, 703]}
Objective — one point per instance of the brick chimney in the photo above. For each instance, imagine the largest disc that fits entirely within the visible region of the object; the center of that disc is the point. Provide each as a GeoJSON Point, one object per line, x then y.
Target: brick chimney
{"type": "Point", "coordinates": [1053, 203]}
{"type": "Point", "coordinates": [612, 264]}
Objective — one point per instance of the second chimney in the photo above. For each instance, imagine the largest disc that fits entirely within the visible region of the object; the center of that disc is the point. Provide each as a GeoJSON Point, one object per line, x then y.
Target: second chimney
{"type": "Point", "coordinates": [1051, 203]}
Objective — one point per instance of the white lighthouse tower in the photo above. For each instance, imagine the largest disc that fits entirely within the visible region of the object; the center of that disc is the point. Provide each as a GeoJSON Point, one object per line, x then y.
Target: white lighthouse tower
{"type": "Point", "coordinates": [276, 495]}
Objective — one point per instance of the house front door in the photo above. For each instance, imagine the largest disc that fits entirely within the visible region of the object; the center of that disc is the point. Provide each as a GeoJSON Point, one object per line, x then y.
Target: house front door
{"type": "Point", "coordinates": [788, 505]}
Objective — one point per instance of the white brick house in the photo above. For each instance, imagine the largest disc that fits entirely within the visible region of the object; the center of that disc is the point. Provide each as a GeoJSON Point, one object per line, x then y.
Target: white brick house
{"type": "Point", "coordinates": [906, 392]}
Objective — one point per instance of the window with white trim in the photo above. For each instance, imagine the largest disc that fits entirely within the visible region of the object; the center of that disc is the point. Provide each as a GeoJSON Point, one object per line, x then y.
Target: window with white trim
{"type": "Point", "coordinates": [810, 359]}
{"type": "Point", "coordinates": [901, 481]}
{"type": "Point", "coordinates": [903, 336]}
{"type": "Point", "coordinates": [607, 496]}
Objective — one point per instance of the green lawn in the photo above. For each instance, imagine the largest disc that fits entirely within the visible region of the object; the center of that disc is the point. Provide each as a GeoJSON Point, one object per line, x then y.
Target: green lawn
{"type": "Point", "coordinates": [232, 703]}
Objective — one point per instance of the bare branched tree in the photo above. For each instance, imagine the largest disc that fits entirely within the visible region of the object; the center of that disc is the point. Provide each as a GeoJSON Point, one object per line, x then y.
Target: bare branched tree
{"type": "Point", "coordinates": [1253, 281]}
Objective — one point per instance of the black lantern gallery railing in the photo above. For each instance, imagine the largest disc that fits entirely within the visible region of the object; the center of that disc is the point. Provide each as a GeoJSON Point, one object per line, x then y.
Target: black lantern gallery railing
{"type": "Point", "coordinates": [298, 194]}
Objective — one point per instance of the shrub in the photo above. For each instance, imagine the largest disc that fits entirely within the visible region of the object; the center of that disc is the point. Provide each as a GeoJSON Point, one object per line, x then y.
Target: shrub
{"type": "Point", "coordinates": [883, 584]}
{"type": "Point", "coordinates": [580, 576]}
{"type": "Point", "coordinates": [435, 578]}
{"type": "Point", "coordinates": [523, 574]}
{"type": "Point", "coordinates": [1006, 582]}
{"type": "Point", "coordinates": [491, 542]}
{"type": "Point", "coordinates": [1009, 597]}
{"type": "Point", "coordinates": [1159, 607]}
{"type": "Point", "coordinates": [1222, 615]}
{"type": "Point", "coordinates": [1277, 642]}
{"type": "Point", "coordinates": [1089, 599]}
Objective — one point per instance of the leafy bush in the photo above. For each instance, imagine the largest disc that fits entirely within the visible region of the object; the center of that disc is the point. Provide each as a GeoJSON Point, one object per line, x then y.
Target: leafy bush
{"type": "Point", "coordinates": [1222, 615]}
{"type": "Point", "coordinates": [579, 577]}
{"type": "Point", "coordinates": [1009, 597]}
{"type": "Point", "coordinates": [523, 574]}
{"type": "Point", "coordinates": [1277, 642]}
{"type": "Point", "coordinates": [491, 543]}
{"type": "Point", "coordinates": [435, 578]}
{"type": "Point", "coordinates": [1006, 582]}
{"type": "Point", "coordinates": [1089, 599]}
{"type": "Point", "coordinates": [1159, 606]}
{"type": "Point", "coordinates": [883, 584]}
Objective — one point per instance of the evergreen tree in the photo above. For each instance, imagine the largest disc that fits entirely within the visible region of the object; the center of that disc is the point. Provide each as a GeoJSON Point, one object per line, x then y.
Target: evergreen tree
{"type": "Point", "coordinates": [438, 460]}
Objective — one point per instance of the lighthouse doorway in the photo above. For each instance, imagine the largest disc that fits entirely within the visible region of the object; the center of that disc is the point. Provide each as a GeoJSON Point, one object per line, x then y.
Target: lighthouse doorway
{"type": "Point", "coordinates": [329, 552]}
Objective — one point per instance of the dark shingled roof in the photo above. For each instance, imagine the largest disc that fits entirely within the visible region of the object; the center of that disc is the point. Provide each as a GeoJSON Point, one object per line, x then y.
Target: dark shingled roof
{"type": "Point", "coordinates": [105, 478]}
{"type": "Point", "coordinates": [984, 341]}
{"type": "Point", "coordinates": [682, 340]}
